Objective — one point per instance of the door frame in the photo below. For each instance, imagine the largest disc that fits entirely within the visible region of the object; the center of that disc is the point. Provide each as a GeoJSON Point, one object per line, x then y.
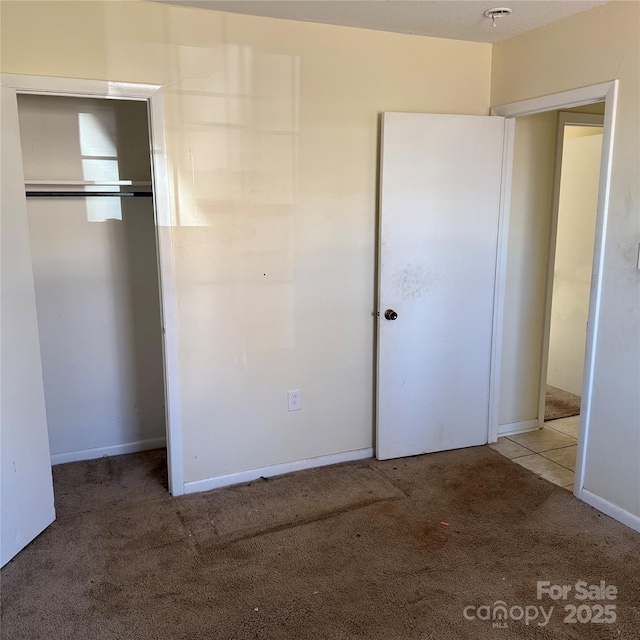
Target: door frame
{"type": "Point", "coordinates": [606, 92]}
{"type": "Point", "coordinates": [153, 95]}
{"type": "Point", "coordinates": [565, 118]}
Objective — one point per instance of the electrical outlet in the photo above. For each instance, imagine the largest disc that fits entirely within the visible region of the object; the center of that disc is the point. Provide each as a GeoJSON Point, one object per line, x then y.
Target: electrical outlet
{"type": "Point", "coordinates": [295, 400]}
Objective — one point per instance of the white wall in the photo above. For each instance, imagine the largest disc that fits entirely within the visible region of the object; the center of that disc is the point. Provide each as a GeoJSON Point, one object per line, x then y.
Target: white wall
{"type": "Point", "coordinates": [578, 206]}
{"type": "Point", "coordinates": [592, 47]}
{"type": "Point", "coordinates": [528, 246]}
{"type": "Point", "coordinates": [272, 136]}
{"type": "Point", "coordinates": [95, 272]}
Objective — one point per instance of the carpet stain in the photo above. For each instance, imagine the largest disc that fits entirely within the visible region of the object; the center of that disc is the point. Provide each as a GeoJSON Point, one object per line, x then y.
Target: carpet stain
{"type": "Point", "coordinates": [104, 591]}
{"type": "Point", "coordinates": [488, 494]}
{"type": "Point", "coordinates": [426, 536]}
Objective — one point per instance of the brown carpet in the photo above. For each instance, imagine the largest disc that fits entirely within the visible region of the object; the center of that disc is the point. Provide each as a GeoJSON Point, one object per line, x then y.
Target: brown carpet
{"type": "Point", "coordinates": [560, 404]}
{"type": "Point", "coordinates": [354, 551]}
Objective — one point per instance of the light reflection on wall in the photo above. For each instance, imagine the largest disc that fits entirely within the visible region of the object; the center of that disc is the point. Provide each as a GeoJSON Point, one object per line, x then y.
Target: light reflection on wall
{"type": "Point", "coordinates": [98, 146]}
{"type": "Point", "coordinates": [239, 132]}
{"type": "Point", "coordinates": [237, 139]}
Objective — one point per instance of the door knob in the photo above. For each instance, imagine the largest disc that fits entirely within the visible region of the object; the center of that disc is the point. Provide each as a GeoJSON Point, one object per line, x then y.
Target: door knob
{"type": "Point", "coordinates": [390, 314]}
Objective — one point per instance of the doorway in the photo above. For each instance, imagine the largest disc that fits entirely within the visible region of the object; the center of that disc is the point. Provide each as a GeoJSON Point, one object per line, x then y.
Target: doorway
{"type": "Point", "coordinates": [530, 448]}
{"type": "Point", "coordinates": [579, 152]}
{"type": "Point", "coordinates": [552, 288]}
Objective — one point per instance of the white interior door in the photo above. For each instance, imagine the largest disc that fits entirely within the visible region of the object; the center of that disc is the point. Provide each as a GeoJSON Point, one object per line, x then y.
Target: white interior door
{"type": "Point", "coordinates": [439, 212]}
{"type": "Point", "coordinates": [26, 487]}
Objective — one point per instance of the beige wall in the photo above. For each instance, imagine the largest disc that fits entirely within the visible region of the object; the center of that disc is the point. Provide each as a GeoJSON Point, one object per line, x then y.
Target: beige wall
{"type": "Point", "coordinates": [591, 47]}
{"type": "Point", "coordinates": [272, 138]}
{"type": "Point", "coordinates": [272, 129]}
{"type": "Point", "coordinates": [578, 205]}
{"type": "Point", "coordinates": [527, 259]}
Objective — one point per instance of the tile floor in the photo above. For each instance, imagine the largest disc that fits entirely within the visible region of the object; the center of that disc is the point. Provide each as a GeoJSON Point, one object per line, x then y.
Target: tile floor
{"type": "Point", "coordinates": [549, 452]}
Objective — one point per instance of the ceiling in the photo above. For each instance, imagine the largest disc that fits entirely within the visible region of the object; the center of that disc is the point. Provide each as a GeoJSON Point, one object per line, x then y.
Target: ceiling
{"type": "Point", "coordinates": [457, 19]}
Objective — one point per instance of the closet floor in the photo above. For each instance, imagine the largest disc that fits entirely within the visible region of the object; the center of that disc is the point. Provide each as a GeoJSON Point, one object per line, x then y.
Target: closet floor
{"type": "Point", "coordinates": [112, 480]}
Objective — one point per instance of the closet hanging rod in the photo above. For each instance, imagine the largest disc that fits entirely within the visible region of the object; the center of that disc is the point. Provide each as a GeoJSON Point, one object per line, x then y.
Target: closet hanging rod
{"type": "Point", "coordinates": [93, 194]}
{"type": "Point", "coordinates": [90, 183]}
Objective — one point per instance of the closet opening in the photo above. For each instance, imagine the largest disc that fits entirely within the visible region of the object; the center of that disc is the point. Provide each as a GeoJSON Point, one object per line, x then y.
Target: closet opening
{"type": "Point", "coordinates": [90, 204]}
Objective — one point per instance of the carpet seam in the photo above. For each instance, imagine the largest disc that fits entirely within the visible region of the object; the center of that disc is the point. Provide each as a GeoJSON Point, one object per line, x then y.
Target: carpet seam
{"type": "Point", "coordinates": [295, 524]}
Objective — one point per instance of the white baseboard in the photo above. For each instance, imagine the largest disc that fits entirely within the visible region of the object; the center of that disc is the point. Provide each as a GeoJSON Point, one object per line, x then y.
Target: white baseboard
{"type": "Point", "coordinates": [275, 470]}
{"type": "Point", "coordinates": [610, 509]}
{"type": "Point", "coordinates": [114, 450]}
{"type": "Point", "coordinates": [512, 428]}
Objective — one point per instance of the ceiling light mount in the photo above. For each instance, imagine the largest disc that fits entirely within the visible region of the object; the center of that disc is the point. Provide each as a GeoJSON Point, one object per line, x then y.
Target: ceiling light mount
{"type": "Point", "coordinates": [498, 12]}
